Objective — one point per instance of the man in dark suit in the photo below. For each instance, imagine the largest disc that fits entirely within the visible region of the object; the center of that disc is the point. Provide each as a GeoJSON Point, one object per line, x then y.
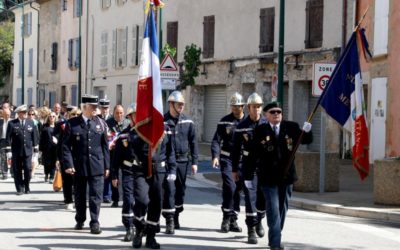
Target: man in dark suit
{"type": "Point", "coordinates": [274, 145]}
{"type": "Point", "coordinates": [23, 137]}
{"type": "Point", "coordinates": [85, 154]}
{"type": "Point", "coordinates": [5, 149]}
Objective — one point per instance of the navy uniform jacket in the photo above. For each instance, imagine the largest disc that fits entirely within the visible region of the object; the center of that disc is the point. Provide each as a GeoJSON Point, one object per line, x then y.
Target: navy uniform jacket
{"type": "Point", "coordinates": [243, 150]}
{"type": "Point", "coordinates": [113, 125]}
{"type": "Point", "coordinates": [131, 154]}
{"type": "Point", "coordinates": [23, 140]}
{"type": "Point", "coordinates": [85, 149]}
{"type": "Point", "coordinates": [222, 143]}
{"type": "Point", "coordinates": [273, 154]}
{"type": "Point", "coordinates": [183, 137]}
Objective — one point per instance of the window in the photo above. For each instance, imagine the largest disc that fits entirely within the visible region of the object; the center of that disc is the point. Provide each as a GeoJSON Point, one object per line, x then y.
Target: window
{"type": "Point", "coordinates": [208, 36]}
{"type": "Point", "coordinates": [27, 19]}
{"type": "Point", "coordinates": [381, 27]}
{"type": "Point", "coordinates": [137, 39]}
{"type": "Point", "coordinates": [119, 94]}
{"type": "Point", "coordinates": [121, 2]}
{"type": "Point", "coordinates": [105, 4]}
{"type": "Point", "coordinates": [52, 98]}
{"type": "Point", "coordinates": [54, 51]}
{"type": "Point", "coordinates": [74, 95]}
{"type": "Point", "coordinates": [267, 28]}
{"type": "Point", "coordinates": [30, 96]}
{"type": "Point", "coordinates": [314, 23]}
{"type": "Point", "coordinates": [20, 63]}
{"type": "Point", "coordinates": [77, 8]}
{"type": "Point", "coordinates": [19, 96]}
{"type": "Point", "coordinates": [104, 48]}
{"type": "Point", "coordinates": [30, 65]}
{"type": "Point", "coordinates": [63, 5]}
{"type": "Point", "coordinates": [172, 36]}
{"type": "Point", "coordinates": [73, 53]}
{"type": "Point", "coordinates": [63, 93]}
{"type": "Point", "coordinates": [120, 47]}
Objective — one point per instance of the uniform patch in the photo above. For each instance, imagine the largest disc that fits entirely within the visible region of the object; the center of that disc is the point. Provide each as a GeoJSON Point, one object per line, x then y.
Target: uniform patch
{"type": "Point", "coordinates": [267, 138]}
{"type": "Point", "coordinates": [228, 130]}
{"type": "Point", "coordinates": [98, 128]}
{"type": "Point", "coordinates": [246, 137]}
{"type": "Point", "coordinates": [289, 143]}
{"type": "Point", "coordinates": [125, 142]}
{"type": "Point", "coordinates": [78, 137]}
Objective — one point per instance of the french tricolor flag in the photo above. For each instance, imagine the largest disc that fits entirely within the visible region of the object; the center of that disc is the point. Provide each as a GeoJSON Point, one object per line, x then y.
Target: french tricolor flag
{"type": "Point", "coordinates": [149, 114]}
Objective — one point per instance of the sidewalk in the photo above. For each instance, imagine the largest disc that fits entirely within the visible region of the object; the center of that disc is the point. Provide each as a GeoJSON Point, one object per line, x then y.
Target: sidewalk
{"type": "Point", "coordinates": [355, 197]}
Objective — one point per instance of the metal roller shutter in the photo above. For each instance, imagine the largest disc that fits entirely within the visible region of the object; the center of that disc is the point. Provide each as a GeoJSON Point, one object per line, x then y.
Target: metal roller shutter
{"type": "Point", "coordinates": [214, 109]}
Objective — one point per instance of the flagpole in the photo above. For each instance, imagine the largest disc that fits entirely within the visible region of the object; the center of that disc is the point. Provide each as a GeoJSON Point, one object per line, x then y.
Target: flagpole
{"type": "Point", "coordinates": [291, 159]}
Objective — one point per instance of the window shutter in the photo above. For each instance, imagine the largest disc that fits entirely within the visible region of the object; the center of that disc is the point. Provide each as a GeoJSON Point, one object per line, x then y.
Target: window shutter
{"type": "Point", "coordinates": [124, 47]}
{"type": "Point", "coordinates": [70, 52]}
{"type": "Point", "coordinates": [172, 36]}
{"type": "Point", "coordinates": [20, 63]}
{"type": "Point", "coordinates": [267, 28]}
{"type": "Point", "coordinates": [77, 54]}
{"type": "Point", "coordinates": [104, 43]}
{"type": "Point", "coordinates": [314, 23]}
{"type": "Point", "coordinates": [134, 60]}
{"type": "Point", "coordinates": [114, 48]}
{"type": "Point", "coordinates": [208, 36]}
{"type": "Point", "coordinates": [64, 5]}
{"type": "Point", "coordinates": [25, 26]}
{"type": "Point", "coordinates": [54, 51]}
{"type": "Point", "coordinates": [30, 68]}
{"type": "Point", "coordinates": [141, 34]}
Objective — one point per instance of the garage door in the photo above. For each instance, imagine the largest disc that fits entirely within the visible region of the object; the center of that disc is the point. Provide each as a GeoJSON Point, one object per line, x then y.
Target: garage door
{"type": "Point", "coordinates": [215, 105]}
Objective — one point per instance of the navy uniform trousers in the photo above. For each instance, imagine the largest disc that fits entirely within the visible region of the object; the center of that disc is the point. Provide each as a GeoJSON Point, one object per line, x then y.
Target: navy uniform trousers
{"type": "Point", "coordinates": [230, 189]}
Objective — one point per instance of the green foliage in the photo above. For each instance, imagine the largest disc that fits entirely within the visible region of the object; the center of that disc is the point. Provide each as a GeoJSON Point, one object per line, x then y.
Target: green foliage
{"type": "Point", "coordinates": [6, 49]}
{"type": "Point", "coordinates": [192, 62]}
{"type": "Point", "coordinates": [167, 50]}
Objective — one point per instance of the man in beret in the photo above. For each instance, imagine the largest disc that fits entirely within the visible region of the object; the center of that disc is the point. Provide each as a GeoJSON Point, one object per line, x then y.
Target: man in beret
{"type": "Point", "coordinates": [23, 137]}
{"type": "Point", "coordinates": [85, 155]}
{"type": "Point", "coordinates": [275, 142]}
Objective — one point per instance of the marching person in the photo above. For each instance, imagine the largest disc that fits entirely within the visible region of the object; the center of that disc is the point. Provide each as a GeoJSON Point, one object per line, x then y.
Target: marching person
{"type": "Point", "coordinates": [4, 148]}
{"type": "Point", "coordinates": [85, 155]}
{"type": "Point", "coordinates": [186, 154]}
{"type": "Point", "coordinates": [243, 164]}
{"type": "Point", "coordinates": [48, 147]}
{"type": "Point", "coordinates": [274, 143]}
{"type": "Point", "coordinates": [221, 150]}
{"type": "Point", "coordinates": [104, 105]}
{"type": "Point", "coordinates": [22, 135]}
{"type": "Point", "coordinates": [115, 124]}
{"type": "Point", "coordinates": [123, 156]}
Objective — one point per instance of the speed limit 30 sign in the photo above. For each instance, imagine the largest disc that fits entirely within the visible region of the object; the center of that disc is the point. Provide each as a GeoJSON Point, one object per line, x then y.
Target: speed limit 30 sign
{"type": "Point", "coordinates": [322, 73]}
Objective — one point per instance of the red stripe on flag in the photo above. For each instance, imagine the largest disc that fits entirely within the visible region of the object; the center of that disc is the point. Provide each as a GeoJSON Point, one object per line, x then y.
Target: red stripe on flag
{"type": "Point", "coordinates": [361, 146]}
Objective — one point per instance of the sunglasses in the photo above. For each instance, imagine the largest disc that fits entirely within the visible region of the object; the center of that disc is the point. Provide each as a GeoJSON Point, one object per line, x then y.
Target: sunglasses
{"type": "Point", "coordinates": [31, 114]}
{"type": "Point", "coordinates": [275, 112]}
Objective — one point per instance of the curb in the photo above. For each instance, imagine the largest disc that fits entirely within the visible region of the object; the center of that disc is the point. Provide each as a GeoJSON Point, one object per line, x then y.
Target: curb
{"type": "Point", "coordinates": [330, 208]}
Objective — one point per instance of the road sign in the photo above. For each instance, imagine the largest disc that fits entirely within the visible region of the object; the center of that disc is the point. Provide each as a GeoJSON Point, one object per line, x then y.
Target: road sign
{"type": "Point", "coordinates": [169, 72]}
{"type": "Point", "coordinates": [322, 73]}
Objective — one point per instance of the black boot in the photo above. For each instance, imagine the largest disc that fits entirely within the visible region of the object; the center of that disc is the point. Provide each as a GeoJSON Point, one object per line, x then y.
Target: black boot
{"type": "Point", "coordinates": [137, 239]}
{"type": "Point", "coordinates": [176, 221]}
{"type": "Point", "coordinates": [128, 235]}
{"type": "Point", "coordinates": [170, 226]}
{"type": "Point", "coordinates": [225, 225]}
{"type": "Point", "coordinates": [260, 230]}
{"type": "Point", "coordinates": [151, 241]}
{"type": "Point", "coordinates": [252, 238]}
{"type": "Point", "coordinates": [233, 226]}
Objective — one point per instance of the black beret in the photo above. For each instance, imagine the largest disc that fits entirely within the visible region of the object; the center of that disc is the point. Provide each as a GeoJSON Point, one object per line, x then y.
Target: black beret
{"type": "Point", "coordinates": [271, 105]}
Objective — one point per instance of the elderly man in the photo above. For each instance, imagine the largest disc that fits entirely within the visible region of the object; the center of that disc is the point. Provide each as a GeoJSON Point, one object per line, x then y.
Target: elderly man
{"type": "Point", "coordinates": [23, 137]}
{"type": "Point", "coordinates": [85, 155]}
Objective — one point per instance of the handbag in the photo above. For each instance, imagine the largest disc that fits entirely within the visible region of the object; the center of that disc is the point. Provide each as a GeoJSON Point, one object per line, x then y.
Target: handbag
{"type": "Point", "coordinates": [57, 183]}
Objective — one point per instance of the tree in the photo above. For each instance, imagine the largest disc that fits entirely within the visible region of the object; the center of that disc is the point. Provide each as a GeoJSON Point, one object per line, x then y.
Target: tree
{"type": "Point", "coordinates": [191, 65]}
{"type": "Point", "coordinates": [167, 50]}
{"type": "Point", "coordinates": [6, 49]}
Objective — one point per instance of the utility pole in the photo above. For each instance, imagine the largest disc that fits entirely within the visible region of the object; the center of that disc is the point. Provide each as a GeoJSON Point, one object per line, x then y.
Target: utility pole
{"type": "Point", "coordinates": [281, 50]}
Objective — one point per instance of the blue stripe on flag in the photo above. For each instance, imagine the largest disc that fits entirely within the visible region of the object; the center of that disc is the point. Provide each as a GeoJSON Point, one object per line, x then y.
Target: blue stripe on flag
{"type": "Point", "coordinates": [151, 32]}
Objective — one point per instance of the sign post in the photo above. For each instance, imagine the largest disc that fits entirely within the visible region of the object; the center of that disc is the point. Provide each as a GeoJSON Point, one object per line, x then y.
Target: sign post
{"type": "Point", "coordinates": [169, 73]}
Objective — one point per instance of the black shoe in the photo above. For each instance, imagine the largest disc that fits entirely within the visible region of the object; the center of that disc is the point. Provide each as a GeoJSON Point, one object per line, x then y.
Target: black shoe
{"type": "Point", "coordinates": [95, 229]}
{"type": "Point", "coordinates": [137, 239]}
{"type": "Point", "coordinates": [152, 243]}
{"type": "Point", "coordinates": [234, 227]}
{"type": "Point", "coordinates": [252, 238]}
{"type": "Point", "coordinates": [27, 191]}
{"type": "Point", "coordinates": [114, 204]}
{"type": "Point", "coordinates": [260, 230]}
{"type": "Point", "coordinates": [170, 226]}
{"type": "Point", "coordinates": [19, 193]}
{"type": "Point", "coordinates": [225, 226]}
{"type": "Point", "coordinates": [128, 235]}
{"type": "Point", "coordinates": [106, 201]}
{"type": "Point", "coordinates": [176, 222]}
{"type": "Point", "coordinates": [79, 226]}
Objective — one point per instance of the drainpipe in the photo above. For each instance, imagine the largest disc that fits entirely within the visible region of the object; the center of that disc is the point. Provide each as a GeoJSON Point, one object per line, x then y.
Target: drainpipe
{"type": "Point", "coordinates": [87, 42]}
{"type": "Point", "coordinates": [37, 55]}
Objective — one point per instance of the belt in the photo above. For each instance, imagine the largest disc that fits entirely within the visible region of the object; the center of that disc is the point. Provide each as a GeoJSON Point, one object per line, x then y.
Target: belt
{"type": "Point", "coordinates": [226, 153]}
{"type": "Point", "coordinates": [182, 155]}
{"type": "Point", "coordinates": [161, 163]}
{"type": "Point", "coordinates": [130, 164]}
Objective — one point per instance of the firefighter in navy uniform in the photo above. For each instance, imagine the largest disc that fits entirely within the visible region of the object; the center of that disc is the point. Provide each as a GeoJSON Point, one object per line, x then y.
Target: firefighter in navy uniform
{"type": "Point", "coordinates": [148, 189]}
{"type": "Point", "coordinates": [86, 156]}
{"type": "Point", "coordinates": [23, 137]}
{"type": "Point", "coordinates": [242, 153]}
{"type": "Point", "coordinates": [122, 159]}
{"type": "Point", "coordinates": [186, 154]}
{"type": "Point", "coordinates": [221, 151]}
{"type": "Point", "coordinates": [274, 144]}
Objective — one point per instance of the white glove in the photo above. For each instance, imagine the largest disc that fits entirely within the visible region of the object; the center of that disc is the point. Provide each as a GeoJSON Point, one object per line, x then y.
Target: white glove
{"type": "Point", "coordinates": [34, 157]}
{"type": "Point", "coordinates": [9, 155]}
{"type": "Point", "coordinates": [55, 140]}
{"type": "Point", "coordinates": [248, 184]}
{"type": "Point", "coordinates": [171, 177]}
{"type": "Point", "coordinates": [307, 127]}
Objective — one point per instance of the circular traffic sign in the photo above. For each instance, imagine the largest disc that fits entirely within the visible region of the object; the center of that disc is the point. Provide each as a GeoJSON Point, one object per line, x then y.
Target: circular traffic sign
{"type": "Point", "coordinates": [323, 81]}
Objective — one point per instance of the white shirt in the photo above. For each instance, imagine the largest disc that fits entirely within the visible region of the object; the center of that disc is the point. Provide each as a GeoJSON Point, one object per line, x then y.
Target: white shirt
{"type": "Point", "coordinates": [278, 127]}
{"type": "Point", "coordinates": [5, 125]}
